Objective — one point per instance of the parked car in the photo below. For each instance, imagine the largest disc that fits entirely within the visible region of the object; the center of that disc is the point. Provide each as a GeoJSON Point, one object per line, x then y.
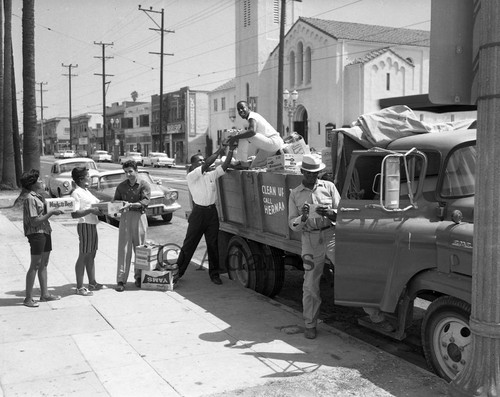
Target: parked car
{"type": "Point", "coordinates": [163, 198]}
{"type": "Point", "coordinates": [59, 182]}
{"type": "Point", "coordinates": [65, 154]}
{"type": "Point", "coordinates": [158, 159]}
{"type": "Point", "coordinates": [101, 156]}
{"type": "Point", "coordinates": [82, 153]}
{"type": "Point", "coordinates": [136, 156]}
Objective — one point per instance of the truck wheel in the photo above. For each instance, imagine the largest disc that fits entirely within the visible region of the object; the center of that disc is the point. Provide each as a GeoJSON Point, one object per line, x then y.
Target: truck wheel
{"type": "Point", "coordinates": [167, 217]}
{"type": "Point", "coordinates": [269, 267]}
{"type": "Point", "coordinates": [240, 262]}
{"type": "Point", "coordinates": [446, 336]}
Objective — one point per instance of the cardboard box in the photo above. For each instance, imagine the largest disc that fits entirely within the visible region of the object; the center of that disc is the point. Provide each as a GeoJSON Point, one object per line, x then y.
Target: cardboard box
{"type": "Point", "coordinates": [110, 208]}
{"type": "Point", "coordinates": [285, 162]}
{"type": "Point", "coordinates": [157, 280]}
{"type": "Point", "coordinates": [65, 204]}
{"type": "Point", "coordinates": [146, 257]}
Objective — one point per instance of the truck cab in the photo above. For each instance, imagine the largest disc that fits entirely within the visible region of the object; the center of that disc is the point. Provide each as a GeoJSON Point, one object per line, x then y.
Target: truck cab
{"type": "Point", "coordinates": [404, 231]}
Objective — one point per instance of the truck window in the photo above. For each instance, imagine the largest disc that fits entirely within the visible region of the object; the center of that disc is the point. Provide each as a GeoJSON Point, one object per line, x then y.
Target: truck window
{"type": "Point", "coordinates": [361, 183]}
{"type": "Point", "coordinates": [459, 175]}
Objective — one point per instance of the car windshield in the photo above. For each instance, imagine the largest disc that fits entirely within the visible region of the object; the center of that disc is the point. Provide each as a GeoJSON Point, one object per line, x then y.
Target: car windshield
{"type": "Point", "coordinates": [161, 155]}
{"type": "Point", "coordinates": [459, 176]}
{"type": "Point", "coordinates": [101, 152]}
{"type": "Point", "coordinates": [134, 154]}
{"type": "Point", "coordinates": [68, 167]}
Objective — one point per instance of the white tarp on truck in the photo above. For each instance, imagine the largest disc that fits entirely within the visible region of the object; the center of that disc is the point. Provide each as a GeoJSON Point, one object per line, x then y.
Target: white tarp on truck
{"type": "Point", "coordinates": [382, 127]}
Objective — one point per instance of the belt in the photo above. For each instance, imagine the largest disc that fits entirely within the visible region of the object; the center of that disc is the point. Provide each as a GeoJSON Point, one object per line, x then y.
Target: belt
{"type": "Point", "coordinates": [320, 230]}
{"type": "Point", "coordinates": [205, 206]}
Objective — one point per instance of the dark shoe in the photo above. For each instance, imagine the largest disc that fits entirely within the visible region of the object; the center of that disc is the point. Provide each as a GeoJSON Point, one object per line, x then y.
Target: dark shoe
{"type": "Point", "coordinates": [310, 333]}
{"type": "Point", "coordinates": [30, 302]}
{"type": "Point", "coordinates": [137, 282]}
{"type": "Point", "coordinates": [216, 280]}
{"type": "Point", "coordinates": [95, 287]}
{"type": "Point", "coordinates": [120, 287]}
{"type": "Point", "coordinates": [49, 298]}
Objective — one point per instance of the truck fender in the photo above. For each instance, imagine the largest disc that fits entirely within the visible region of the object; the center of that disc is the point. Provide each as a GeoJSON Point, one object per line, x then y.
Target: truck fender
{"type": "Point", "coordinates": [451, 284]}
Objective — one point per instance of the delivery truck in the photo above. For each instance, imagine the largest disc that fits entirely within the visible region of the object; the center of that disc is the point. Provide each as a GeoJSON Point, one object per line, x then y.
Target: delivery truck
{"type": "Point", "coordinates": [404, 231]}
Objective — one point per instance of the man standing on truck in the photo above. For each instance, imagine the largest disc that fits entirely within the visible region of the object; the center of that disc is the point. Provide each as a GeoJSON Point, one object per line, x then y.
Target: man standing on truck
{"type": "Point", "coordinates": [260, 134]}
{"type": "Point", "coordinates": [204, 219]}
{"type": "Point", "coordinates": [312, 209]}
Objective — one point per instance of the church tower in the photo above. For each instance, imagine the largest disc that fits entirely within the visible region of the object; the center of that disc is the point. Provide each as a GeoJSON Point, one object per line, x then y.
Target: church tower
{"type": "Point", "coordinates": [257, 34]}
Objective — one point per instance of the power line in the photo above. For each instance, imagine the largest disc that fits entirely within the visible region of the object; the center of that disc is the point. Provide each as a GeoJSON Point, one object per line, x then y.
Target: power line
{"type": "Point", "coordinates": [41, 114]}
{"type": "Point", "coordinates": [70, 66]}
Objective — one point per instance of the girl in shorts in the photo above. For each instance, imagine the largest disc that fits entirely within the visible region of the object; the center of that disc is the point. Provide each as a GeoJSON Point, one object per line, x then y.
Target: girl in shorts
{"type": "Point", "coordinates": [87, 231]}
{"type": "Point", "coordinates": [37, 229]}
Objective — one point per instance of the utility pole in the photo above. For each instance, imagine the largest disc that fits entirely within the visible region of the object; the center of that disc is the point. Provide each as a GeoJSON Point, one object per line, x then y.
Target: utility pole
{"type": "Point", "coordinates": [162, 30]}
{"type": "Point", "coordinates": [103, 74]}
{"type": "Point", "coordinates": [41, 115]}
{"type": "Point", "coordinates": [281, 51]}
{"type": "Point", "coordinates": [70, 66]}
{"type": "Point", "coordinates": [481, 375]}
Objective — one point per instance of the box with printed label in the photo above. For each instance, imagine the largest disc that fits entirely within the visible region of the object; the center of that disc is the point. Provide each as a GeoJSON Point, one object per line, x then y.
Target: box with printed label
{"type": "Point", "coordinates": [285, 162]}
{"type": "Point", "coordinates": [64, 204]}
{"type": "Point", "coordinates": [146, 257]}
{"type": "Point", "coordinates": [110, 208]}
{"type": "Point", "coordinates": [157, 280]}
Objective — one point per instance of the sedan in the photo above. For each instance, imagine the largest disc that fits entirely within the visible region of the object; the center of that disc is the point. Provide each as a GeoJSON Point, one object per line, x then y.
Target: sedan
{"type": "Point", "coordinates": [136, 156]}
{"type": "Point", "coordinates": [163, 199]}
{"type": "Point", "coordinates": [101, 156]}
{"type": "Point", "coordinates": [59, 182]}
{"type": "Point", "coordinates": [158, 159]}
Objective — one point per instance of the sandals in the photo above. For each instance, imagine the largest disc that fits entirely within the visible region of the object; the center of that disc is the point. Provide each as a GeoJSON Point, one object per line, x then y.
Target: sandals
{"type": "Point", "coordinates": [84, 292]}
{"type": "Point", "coordinates": [49, 298]}
{"type": "Point", "coordinates": [30, 303]}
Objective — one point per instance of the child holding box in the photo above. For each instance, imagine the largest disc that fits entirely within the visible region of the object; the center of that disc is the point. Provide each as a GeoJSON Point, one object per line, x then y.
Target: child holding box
{"type": "Point", "coordinates": [87, 231]}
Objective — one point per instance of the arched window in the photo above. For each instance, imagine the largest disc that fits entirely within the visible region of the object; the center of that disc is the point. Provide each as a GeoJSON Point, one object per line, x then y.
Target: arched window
{"type": "Point", "coordinates": [308, 65]}
{"type": "Point", "coordinates": [300, 63]}
{"type": "Point", "coordinates": [292, 69]}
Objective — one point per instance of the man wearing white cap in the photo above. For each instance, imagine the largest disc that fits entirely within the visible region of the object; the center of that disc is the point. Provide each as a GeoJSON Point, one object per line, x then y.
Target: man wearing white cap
{"type": "Point", "coordinates": [313, 211]}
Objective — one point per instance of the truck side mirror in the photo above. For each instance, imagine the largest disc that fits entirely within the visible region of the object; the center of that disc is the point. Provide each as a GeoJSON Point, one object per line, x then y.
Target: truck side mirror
{"type": "Point", "coordinates": [391, 178]}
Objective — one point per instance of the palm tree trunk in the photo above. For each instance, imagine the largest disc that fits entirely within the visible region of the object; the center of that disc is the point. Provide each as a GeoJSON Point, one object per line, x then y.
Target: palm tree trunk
{"type": "Point", "coordinates": [1, 91]}
{"type": "Point", "coordinates": [15, 128]}
{"type": "Point", "coordinates": [31, 153]}
{"type": "Point", "coordinates": [9, 169]}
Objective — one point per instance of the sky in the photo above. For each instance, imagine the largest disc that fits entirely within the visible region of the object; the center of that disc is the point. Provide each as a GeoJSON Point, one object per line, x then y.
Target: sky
{"type": "Point", "coordinates": [202, 44]}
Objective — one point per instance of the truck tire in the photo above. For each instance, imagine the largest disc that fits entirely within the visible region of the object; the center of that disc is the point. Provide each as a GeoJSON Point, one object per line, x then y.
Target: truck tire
{"type": "Point", "coordinates": [240, 263]}
{"type": "Point", "coordinates": [270, 269]}
{"type": "Point", "coordinates": [446, 336]}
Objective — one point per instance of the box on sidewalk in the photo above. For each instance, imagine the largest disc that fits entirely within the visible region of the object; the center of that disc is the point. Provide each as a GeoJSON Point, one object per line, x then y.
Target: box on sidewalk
{"type": "Point", "coordinates": [146, 256]}
{"type": "Point", "coordinates": [285, 162]}
{"type": "Point", "coordinates": [64, 204]}
{"type": "Point", "coordinates": [157, 280]}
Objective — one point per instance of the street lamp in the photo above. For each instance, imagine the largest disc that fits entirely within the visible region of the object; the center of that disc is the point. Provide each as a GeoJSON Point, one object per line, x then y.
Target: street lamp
{"type": "Point", "coordinates": [290, 105]}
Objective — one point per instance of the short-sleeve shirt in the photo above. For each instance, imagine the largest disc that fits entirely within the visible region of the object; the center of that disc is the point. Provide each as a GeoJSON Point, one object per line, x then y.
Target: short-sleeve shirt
{"type": "Point", "coordinates": [262, 125]}
{"type": "Point", "coordinates": [33, 207]}
{"type": "Point", "coordinates": [202, 186]}
{"type": "Point", "coordinates": [324, 192]}
{"type": "Point", "coordinates": [84, 200]}
{"type": "Point", "coordinates": [140, 192]}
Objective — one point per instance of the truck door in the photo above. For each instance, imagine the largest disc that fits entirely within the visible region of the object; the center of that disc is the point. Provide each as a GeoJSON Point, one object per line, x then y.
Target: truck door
{"type": "Point", "coordinates": [368, 237]}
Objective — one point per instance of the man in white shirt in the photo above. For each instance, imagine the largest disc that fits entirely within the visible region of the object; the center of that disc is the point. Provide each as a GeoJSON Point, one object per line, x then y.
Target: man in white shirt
{"type": "Point", "coordinates": [260, 134]}
{"type": "Point", "coordinates": [204, 219]}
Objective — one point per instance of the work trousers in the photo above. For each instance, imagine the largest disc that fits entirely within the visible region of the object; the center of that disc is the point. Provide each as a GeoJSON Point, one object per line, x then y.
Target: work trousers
{"type": "Point", "coordinates": [132, 232]}
{"type": "Point", "coordinates": [266, 146]}
{"type": "Point", "coordinates": [316, 246]}
{"type": "Point", "coordinates": [202, 221]}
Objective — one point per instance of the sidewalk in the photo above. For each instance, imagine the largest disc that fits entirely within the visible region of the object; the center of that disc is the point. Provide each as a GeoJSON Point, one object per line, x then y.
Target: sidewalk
{"type": "Point", "coordinates": [199, 340]}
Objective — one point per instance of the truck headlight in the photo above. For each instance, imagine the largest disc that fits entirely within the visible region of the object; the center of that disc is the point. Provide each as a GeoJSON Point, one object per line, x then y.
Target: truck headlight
{"type": "Point", "coordinates": [171, 195]}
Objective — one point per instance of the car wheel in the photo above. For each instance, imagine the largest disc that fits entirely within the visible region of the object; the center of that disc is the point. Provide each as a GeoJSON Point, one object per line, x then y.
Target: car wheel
{"type": "Point", "coordinates": [167, 217]}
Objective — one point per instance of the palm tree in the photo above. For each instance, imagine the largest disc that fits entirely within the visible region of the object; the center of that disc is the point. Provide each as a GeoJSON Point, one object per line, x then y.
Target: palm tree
{"type": "Point", "coordinates": [9, 169]}
{"type": "Point", "coordinates": [31, 153]}
{"type": "Point", "coordinates": [134, 95]}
